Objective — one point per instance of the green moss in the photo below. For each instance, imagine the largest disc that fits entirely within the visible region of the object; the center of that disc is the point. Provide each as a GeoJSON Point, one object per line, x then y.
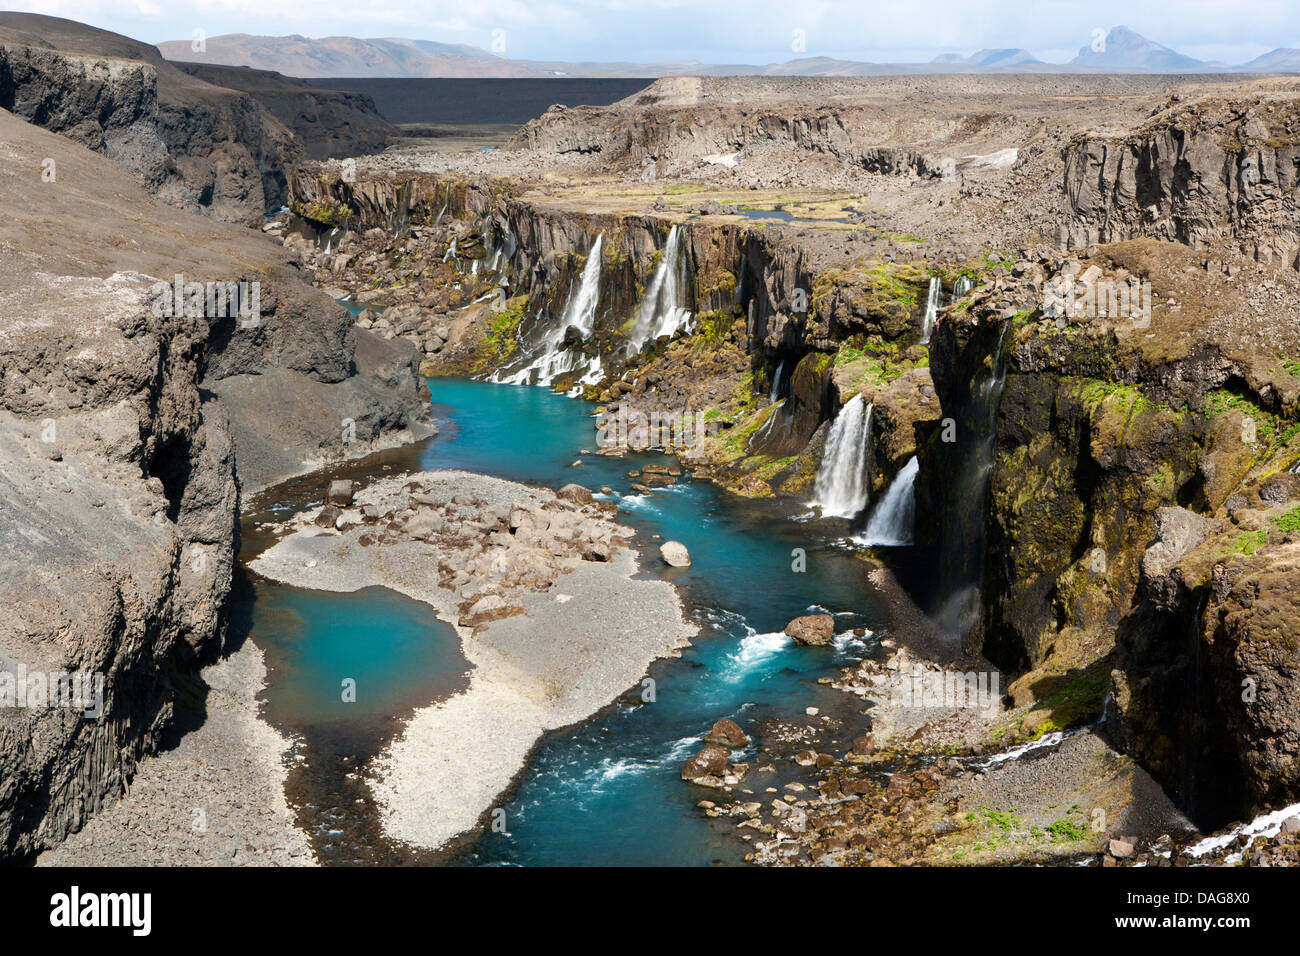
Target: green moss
{"type": "Point", "coordinates": [500, 342]}
{"type": "Point", "coordinates": [1096, 392]}
{"type": "Point", "coordinates": [1289, 521]}
{"type": "Point", "coordinates": [1248, 542]}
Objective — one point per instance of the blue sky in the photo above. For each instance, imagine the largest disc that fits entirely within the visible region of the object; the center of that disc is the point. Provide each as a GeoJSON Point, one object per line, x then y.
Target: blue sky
{"type": "Point", "coordinates": [753, 31]}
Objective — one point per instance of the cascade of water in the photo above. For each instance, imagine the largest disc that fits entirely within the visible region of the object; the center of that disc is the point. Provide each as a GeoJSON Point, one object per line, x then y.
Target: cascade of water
{"type": "Point", "coordinates": [931, 309]}
{"type": "Point", "coordinates": [840, 489]}
{"type": "Point", "coordinates": [776, 381]}
{"type": "Point", "coordinates": [963, 285]}
{"type": "Point", "coordinates": [892, 523]}
{"type": "Point", "coordinates": [761, 435]}
{"type": "Point", "coordinates": [451, 252]}
{"type": "Point", "coordinates": [550, 359]}
{"type": "Point", "coordinates": [581, 309]}
{"type": "Point", "coordinates": [659, 313]}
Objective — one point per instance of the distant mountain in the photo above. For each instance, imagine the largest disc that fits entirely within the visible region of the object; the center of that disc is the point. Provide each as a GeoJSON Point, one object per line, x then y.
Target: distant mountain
{"type": "Point", "coordinates": [1123, 51]}
{"type": "Point", "coordinates": [1281, 60]}
{"type": "Point", "coordinates": [343, 56]}
{"type": "Point", "coordinates": [1122, 48]}
{"type": "Point", "coordinates": [1007, 56]}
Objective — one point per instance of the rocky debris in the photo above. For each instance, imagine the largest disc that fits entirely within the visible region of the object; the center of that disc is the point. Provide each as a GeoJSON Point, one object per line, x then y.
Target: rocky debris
{"type": "Point", "coordinates": [710, 768]}
{"type": "Point", "coordinates": [674, 554]}
{"type": "Point", "coordinates": [727, 733]}
{"type": "Point", "coordinates": [812, 629]}
{"type": "Point", "coordinates": [485, 550]}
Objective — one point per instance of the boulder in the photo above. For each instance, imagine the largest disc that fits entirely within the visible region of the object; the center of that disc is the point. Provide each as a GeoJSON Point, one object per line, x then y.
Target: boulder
{"type": "Point", "coordinates": [426, 522]}
{"type": "Point", "coordinates": [727, 733]}
{"type": "Point", "coordinates": [1121, 849]}
{"type": "Point", "coordinates": [328, 515]}
{"type": "Point", "coordinates": [709, 762]}
{"type": "Point", "coordinates": [339, 493]}
{"type": "Point", "coordinates": [575, 493]}
{"type": "Point", "coordinates": [812, 629]}
{"type": "Point", "coordinates": [675, 554]}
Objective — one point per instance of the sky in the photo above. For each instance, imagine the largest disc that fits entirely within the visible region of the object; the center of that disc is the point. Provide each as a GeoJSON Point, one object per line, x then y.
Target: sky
{"type": "Point", "coordinates": [755, 31]}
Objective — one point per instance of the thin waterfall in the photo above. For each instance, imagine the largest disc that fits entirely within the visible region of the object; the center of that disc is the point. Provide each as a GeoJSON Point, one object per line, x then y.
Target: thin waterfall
{"type": "Point", "coordinates": [581, 309]}
{"type": "Point", "coordinates": [446, 197]}
{"type": "Point", "coordinates": [760, 436]}
{"type": "Point", "coordinates": [549, 359]}
{"type": "Point", "coordinates": [776, 382]}
{"type": "Point", "coordinates": [963, 285]}
{"type": "Point", "coordinates": [893, 522]}
{"type": "Point", "coordinates": [660, 313]}
{"type": "Point", "coordinates": [840, 489]}
{"type": "Point", "coordinates": [931, 309]}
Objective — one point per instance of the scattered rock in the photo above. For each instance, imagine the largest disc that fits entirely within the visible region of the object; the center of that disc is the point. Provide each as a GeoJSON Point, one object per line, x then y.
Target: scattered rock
{"type": "Point", "coordinates": [675, 554]}
{"type": "Point", "coordinates": [340, 492]}
{"type": "Point", "coordinates": [812, 629]}
{"type": "Point", "coordinates": [727, 733]}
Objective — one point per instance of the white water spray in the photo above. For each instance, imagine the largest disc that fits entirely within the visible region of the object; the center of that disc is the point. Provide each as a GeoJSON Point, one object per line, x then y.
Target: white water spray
{"type": "Point", "coordinates": [841, 486]}
{"type": "Point", "coordinates": [659, 313]}
{"type": "Point", "coordinates": [892, 523]}
{"type": "Point", "coordinates": [931, 309]}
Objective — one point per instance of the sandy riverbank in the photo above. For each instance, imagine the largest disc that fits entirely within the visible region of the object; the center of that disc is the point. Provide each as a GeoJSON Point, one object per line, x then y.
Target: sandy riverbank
{"type": "Point", "coordinates": [213, 797]}
{"type": "Point", "coordinates": [581, 630]}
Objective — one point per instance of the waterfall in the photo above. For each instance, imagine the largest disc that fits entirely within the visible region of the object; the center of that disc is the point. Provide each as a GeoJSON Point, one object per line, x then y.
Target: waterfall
{"type": "Point", "coordinates": [762, 434]}
{"type": "Point", "coordinates": [581, 310]}
{"type": "Point", "coordinates": [502, 251]}
{"type": "Point", "coordinates": [892, 523]}
{"type": "Point", "coordinates": [840, 489]}
{"type": "Point", "coordinates": [659, 313]}
{"type": "Point", "coordinates": [963, 285]}
{"type": "Point", "coordinates": [776, 382]}
{"type": "Point", "coordinates": [451, 252]}
{"type": "Point", "coordinates": [549, 359]}
{"type": "Point", "coordinates": [931, 309]}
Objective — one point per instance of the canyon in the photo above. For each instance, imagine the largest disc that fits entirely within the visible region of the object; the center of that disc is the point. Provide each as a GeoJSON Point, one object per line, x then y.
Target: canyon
{"type": "Point", "coordinates": [1026, 349]}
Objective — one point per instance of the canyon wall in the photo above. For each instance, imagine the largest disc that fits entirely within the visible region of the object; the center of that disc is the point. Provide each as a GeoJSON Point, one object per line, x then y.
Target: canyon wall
{"type": "Point", "coordinates": [128, 434]}
{"type": "Point", "coordinates": [1210, 174]}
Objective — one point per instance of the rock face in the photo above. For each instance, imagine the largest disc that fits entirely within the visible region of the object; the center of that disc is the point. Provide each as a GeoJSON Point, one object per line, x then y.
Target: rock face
{"type": "Point", "coordinates": [123, 463]}
{"type": "Point", "coordinates": [812, 629]}
{"type": "Point", "coordinates": [675, 554]}
{"type": "Point", "coordinates": [1200, 172]}
{"type": "Point", "coordinates": [196, 144]}
{"type": "Point", "coordinates": [118, 513]}
{"type": "Point", "coordinates": [328, 123]}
